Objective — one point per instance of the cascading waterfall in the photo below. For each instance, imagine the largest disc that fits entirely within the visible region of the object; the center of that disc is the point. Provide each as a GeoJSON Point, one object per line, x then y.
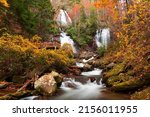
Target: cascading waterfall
{"type": "Point", "coordinates": [66, 39]}
{"type": "Point", "coordinates": [102, 37]}
{"type": "Point", "coordinates": [64, 20]}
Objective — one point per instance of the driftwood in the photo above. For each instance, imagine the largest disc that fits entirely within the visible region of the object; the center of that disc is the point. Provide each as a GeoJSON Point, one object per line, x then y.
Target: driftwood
{"type": "Point", "coordinates": [28, 82]}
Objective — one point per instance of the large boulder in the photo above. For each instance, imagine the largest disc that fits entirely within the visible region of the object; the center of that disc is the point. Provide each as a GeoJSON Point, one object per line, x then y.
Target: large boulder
{"type": "Point", "coordinates": [47, 84]}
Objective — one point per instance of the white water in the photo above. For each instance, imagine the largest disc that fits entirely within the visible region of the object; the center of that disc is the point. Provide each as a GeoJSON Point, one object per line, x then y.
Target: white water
{"type": "Point", "coordinates": [85, 61]}
{"type": "Point", "coordinates": [29, 98]}
{"type": "Point", "coordinates": [102, 37]}
{"type": "Point", "coordinates": [63, 18]}
{"type": "Point", "coordinates": [66, 39]}
{"type": "Point", "coordinates": [81, 65]}
{"type": "Point", "coordinates": [82, 91]}
{"type": "Point", "coordinates": [95, 72]}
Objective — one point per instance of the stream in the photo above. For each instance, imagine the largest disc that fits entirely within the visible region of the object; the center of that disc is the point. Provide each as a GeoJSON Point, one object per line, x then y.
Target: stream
{"type": "Point", "coordinates": [86, 86]}
{"type": "Point", "coordinates": [83, 88]}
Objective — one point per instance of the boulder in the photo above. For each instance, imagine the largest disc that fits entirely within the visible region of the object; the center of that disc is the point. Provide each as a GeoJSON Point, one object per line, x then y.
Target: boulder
{"type": "Point", "coordinates": [58, 78]}
{"type": "Point", "coordinates": [86, 55]}
{"type": "Point", "coordinates": [116, 70]}
{"type": "Point", "coordinates": [75, 70]}
{"type": "Point", "coordinates": [87, 67]}
{"type": "Point", "coordinates": [47, 84]}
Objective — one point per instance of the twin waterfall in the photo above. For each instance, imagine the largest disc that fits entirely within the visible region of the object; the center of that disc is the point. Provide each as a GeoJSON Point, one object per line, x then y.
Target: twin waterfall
{"type": "Point", "coordinates": [102, 37]}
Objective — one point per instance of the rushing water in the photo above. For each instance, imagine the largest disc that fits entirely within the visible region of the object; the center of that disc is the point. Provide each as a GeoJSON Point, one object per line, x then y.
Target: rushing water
{"type": "Point", "coordinates": [82, 88]}
{"type": "Point", "coordinates": [85, 61]}
{"type": "Point", "coordinates": [95, 72]}
{"type": "Point", "coordinates": [81, 65]}
{"type": "Point", "coordinates": [66, 39]}
{"type": "Point", "coordinates": [102, 37]}
{"type": "Point", "coordinates": [63, 18]}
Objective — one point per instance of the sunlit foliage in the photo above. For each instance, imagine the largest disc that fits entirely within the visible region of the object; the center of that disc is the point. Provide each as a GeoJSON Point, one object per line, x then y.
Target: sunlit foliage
{"type": "Point", "coordinates": [19, 57]}
{"type": "Point", "coordinates": [4, 3]}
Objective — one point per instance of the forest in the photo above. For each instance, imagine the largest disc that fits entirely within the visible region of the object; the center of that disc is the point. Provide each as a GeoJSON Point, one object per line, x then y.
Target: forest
{"type": "Point", "coordinates": [75, 49]}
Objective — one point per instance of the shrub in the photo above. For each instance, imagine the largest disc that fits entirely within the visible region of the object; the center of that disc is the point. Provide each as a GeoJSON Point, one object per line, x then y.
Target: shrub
{"type": "Point", "coordinates": [20, 57]}
{"type": "Point", "coordinates": [68, 49]}
{"type": "Point", "coordinates": [101, 51]}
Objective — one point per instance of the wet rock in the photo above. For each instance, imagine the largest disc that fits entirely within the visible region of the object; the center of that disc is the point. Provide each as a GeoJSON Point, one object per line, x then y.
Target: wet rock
{"type": "Point", "coordinates": [86, 55]}
{"type": "Point", "coordinates": [58, 78]}
{"type": "Point", "coordinates": [100, 63]}
{"type": "Point", "coordinates": [92, 79]}
{"type": "Point", "coordinates": [47, 84]}
{"type": "Point", "coordinates": [87, 67]}
{"type": "Point", "coordinates": [75, 70]}
{"type": "Point", "coordinates": [114, 80]}
{"type": "Point", "coordinates": [70, 85]}
{"type": "Point", "coordinates": [129, 85]}
{"type": "Point", "coordinates": [117, 69]}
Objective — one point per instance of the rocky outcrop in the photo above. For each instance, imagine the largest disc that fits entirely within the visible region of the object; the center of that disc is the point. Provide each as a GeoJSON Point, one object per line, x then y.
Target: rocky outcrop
{"type": "Point", "coordinates": [47, 84]}
{"type": "Point", "coordinates": [120, 77]}
{"type": "Point", "coordinates": [116, 70]}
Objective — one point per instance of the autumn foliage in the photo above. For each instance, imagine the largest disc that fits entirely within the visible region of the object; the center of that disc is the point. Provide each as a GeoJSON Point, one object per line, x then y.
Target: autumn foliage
{"type": "Point", "coordinates": [20, 57]}
{"type": "Point", "coordinates": [132, 43]}
{"type": "Point", "coordinates": [4, 3]}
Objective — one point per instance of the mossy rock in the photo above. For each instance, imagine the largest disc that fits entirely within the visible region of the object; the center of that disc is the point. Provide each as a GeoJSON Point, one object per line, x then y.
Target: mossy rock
{"type": "Point", "coordinates": [58, 78]}
{"type": "Point", "coordinates": [130, 85]}
{"type": "Point", "coordinates": [114, 80]}
{"type": "Point", "coordinates": [118, 68]}
{"type": "Point", "coordinates": [141, 95]}
{"type": "Point", "coordinates": [101, 63]}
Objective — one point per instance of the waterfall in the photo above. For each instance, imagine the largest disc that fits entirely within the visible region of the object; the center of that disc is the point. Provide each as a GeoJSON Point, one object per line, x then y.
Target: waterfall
{"type": "Point", "coordinates": [63, 18]}
{"type": "Point", "coordinates": [66, 39]}
{"type": "Point", "coordinates": [102, 37]}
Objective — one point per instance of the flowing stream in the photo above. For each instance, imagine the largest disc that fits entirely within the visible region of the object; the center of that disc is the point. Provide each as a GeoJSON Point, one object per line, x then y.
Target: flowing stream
{"type": "Point", "coordinates": [88, 85]}
{"type": "Point", "coordinates": [82, 88]}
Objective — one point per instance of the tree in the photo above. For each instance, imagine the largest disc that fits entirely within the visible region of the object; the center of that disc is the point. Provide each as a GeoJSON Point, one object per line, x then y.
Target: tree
{"type": "Point", "coordinates": [36, 16]}
{"type": "Point", "coordinates": [4, 3]}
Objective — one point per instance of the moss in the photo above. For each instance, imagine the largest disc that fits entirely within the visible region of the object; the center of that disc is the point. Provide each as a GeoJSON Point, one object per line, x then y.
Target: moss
{"type": "Point", "coordinates": [118, 68]}
{"type": "Point", "coordinates": [114, 80]}
{"type": "Point", "coordinates": [141, 95]}
{"type": "Point", "coordinates": [132, 84]}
